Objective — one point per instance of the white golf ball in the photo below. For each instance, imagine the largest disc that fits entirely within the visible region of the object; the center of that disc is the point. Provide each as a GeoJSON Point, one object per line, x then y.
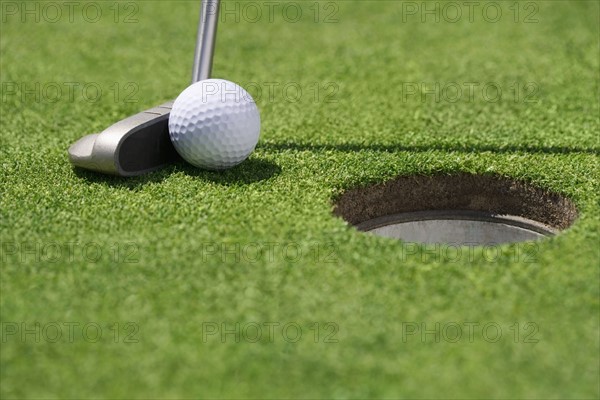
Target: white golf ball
{"type": "Point", "coordinates": [214, 124]}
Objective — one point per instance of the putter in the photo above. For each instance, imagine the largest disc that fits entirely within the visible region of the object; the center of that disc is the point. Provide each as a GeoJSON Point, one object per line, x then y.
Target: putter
{"type": "Point", "coordinates": [140, 143]}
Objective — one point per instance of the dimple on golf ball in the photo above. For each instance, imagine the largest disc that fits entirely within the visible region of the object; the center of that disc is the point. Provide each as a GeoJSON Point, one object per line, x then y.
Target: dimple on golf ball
{"type": "Point", "coordinates": [214, 124]}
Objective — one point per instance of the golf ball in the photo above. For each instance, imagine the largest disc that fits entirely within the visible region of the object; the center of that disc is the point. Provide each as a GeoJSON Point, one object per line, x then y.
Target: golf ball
{"type": "Point", "coordinates": [214, 124]}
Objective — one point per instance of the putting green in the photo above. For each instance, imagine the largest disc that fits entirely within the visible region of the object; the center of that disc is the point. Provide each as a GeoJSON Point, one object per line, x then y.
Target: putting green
{"type": "Point", "coordinates": [185, 283]}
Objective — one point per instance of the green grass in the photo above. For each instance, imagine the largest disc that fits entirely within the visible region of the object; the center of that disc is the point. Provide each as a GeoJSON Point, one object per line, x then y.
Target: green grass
{"type": "Point", "coordinates": [156, 234]}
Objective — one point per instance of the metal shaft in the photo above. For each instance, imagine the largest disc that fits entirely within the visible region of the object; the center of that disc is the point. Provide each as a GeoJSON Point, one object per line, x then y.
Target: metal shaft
{"type": "Point", "coordinates": [205, 42]}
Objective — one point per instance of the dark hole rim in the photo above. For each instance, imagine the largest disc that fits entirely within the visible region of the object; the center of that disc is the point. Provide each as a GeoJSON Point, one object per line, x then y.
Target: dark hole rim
{"type": "Point", "coordinates": [489, 198]}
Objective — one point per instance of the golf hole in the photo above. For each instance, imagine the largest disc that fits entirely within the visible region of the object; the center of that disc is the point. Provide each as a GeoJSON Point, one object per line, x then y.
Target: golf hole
{"type": "Point", "coordinates": [458, 209]}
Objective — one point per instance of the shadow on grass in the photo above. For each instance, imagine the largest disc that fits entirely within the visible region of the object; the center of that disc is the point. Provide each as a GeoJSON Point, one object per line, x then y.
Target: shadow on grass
{"type": "Point", "coordinates": [256, 169]}
{"type": "Point", "coordinates": [355, 147]}
{"type": "Point", "coordinates": [250, 171]}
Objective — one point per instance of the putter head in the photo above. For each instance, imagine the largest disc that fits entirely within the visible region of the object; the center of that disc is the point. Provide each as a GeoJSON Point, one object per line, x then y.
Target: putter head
{"type": "Point", "coordinates": [133, 146]}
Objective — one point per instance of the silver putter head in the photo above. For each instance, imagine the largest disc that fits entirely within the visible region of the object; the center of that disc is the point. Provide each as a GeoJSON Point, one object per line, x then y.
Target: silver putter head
{"type": "Point", "coordinates": [141, 143]}
{"type": "Point", "coordinates": [133, 146]}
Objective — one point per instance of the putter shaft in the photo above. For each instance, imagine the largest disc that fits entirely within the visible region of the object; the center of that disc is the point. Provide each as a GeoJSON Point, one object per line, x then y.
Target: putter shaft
{"type": "Point", "coordinates": [206, 39]}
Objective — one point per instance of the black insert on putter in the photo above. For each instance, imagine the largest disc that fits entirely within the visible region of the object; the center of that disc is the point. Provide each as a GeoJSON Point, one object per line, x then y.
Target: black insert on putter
{"type": "Point", "coordinates": [147, 148]}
